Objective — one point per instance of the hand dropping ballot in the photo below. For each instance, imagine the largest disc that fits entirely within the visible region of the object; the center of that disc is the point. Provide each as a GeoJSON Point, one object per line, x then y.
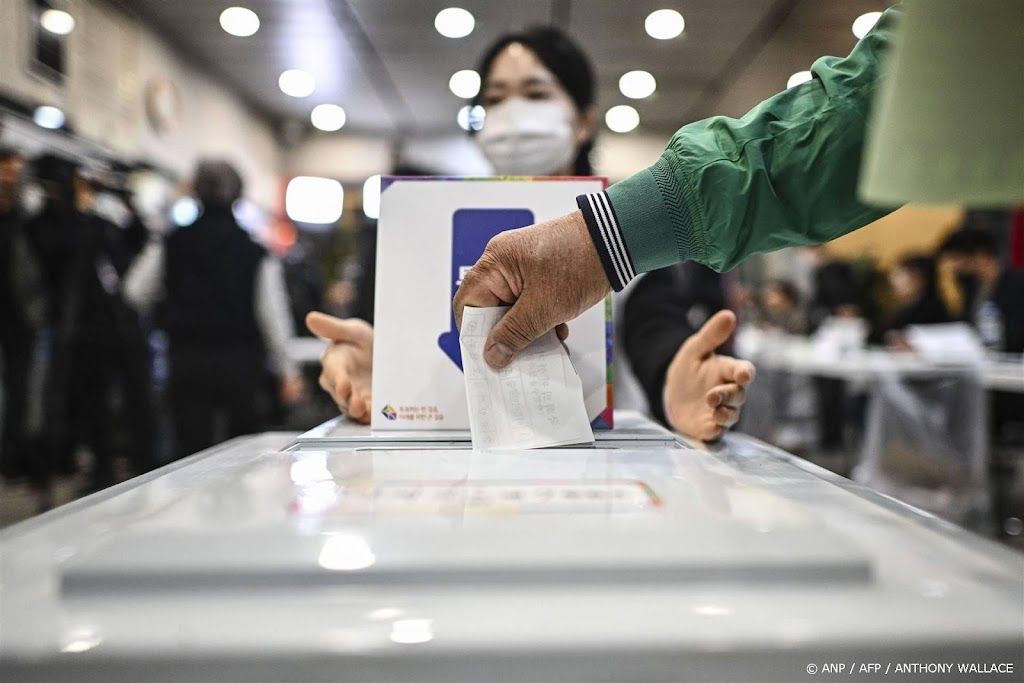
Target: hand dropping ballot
{"type": "Point", "coordinates": [431, 232]}
{"type": "Point", "coordinates": [534, 402]}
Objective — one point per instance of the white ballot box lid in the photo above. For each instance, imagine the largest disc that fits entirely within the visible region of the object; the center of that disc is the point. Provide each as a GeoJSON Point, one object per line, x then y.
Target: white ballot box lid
{"type": "Point", "coordinates": [274, 558]}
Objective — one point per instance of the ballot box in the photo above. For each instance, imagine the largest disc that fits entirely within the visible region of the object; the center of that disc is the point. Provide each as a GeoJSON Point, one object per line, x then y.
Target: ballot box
{"type": "Point", "coordinates": [345, 554]}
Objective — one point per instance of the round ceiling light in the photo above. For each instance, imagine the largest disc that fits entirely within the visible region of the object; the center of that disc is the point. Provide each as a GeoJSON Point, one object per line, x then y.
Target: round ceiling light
{"type": "Point", "coordinates": [239, 21]}
{"type": "Point", "coordinates": [57, 21]}
{"type": "Point", "coordinates": [798, 78]}
{"type": "Point", "coordinates": [664, 24]}
{"type": "Point", "coordinates": [328, 117]}
{"type": "Point", "coordinates": [48, 117]}
{"type": "Point", "coordinates": [454, 22]}
{"type": "Point", "coordinates": [471, 117]}
{"type": "Point", "coordinates": [465, 84]}
{"type": "Point", "coordinates": [296, 83]}
{"type": "Point", "coordinates": [622, 118]}
{"type": "Point", "coordinates": [864, 23]}
{"type": "Point", "coordinates": [637, 85]}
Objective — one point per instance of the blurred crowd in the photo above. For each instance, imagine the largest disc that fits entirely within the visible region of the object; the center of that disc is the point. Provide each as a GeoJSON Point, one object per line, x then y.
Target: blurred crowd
{"type": "Point", "coordinates": [126, 343]}
{"type": "Point", "coordinates": [965, 280]}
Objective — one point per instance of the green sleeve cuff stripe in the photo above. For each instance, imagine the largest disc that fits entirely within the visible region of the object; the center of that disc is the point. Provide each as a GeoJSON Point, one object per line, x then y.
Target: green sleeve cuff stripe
{"type": "Point", "coordinates": [655, 220]}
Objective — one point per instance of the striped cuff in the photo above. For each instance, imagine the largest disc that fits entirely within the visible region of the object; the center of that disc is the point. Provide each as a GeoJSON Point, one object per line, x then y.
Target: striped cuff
{"type": "Point", "coordinates": [607, 237]}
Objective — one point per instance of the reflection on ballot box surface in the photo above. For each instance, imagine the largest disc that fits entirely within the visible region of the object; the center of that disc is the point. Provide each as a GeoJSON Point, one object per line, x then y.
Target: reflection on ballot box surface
{"type": "Point", "coordinates": [411, 556]}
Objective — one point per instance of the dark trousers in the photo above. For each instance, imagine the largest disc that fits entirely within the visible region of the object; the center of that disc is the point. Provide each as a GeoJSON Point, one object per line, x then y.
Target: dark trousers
{"type": "Point", "coordinates": [98, 370]}
{"type": "Point", "coordinates": [831, 399]}
{"type": "Point", "coordinates": [216, 393]}
{"type": "Point", "coordinates": [16, 353]}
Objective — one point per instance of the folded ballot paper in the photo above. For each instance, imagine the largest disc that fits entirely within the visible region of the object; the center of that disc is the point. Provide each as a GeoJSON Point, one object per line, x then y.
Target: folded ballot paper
{"type": "Point", "coordinates": [534, 402]}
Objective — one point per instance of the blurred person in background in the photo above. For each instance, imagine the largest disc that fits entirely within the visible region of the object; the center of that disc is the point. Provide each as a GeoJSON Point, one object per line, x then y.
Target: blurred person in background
{"type": "Point", "coordinates": [538, 90]}
{"type": "Point", "coordinates": [781, 308]}
{"type": "Point", "coordinates": [223, 303]}
{"type": "Point", "coordinates": [835, 291]}
{"type": "Point", "coordinates": [835, 294]}
{"type": "Point", "coordinates": [95, 340]}
{"type": "Point", "coordinates": [915, 289]}
{"type": "Point", "coordinates": [22, 314]}
{"type": "Point", "coordinates": [992, 293]}
{"type": "Point", "coordinates": [993, 302]}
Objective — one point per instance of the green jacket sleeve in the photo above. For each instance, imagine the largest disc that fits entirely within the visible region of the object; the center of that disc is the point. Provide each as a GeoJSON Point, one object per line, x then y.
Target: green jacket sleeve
{"type": "Point", "coordinates": [725, 189]}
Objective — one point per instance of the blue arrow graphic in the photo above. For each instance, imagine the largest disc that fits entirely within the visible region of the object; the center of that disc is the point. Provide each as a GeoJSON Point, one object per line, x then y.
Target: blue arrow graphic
{"type": "Point", "coordinates": [472, 229]}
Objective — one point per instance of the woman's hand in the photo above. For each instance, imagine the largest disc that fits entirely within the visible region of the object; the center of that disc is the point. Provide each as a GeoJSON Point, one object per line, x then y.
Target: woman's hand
{"type": "Point", "coordinates": [704, 391]}
{"type": "Point", "coordinates": [347, 364]}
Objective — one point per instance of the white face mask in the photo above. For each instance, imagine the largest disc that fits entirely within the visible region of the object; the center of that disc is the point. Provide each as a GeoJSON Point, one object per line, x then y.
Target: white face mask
{"type": "Point", "coordinates": [523, 137]}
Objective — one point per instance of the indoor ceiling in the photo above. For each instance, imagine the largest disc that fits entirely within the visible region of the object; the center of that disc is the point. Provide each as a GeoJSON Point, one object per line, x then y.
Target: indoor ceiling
{"type": "Point", "coordinates": [383, 61]}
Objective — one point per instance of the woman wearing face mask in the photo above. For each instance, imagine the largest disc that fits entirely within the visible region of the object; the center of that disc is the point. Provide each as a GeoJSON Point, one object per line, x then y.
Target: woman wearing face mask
{"type": "Point", "coordinates": [538, 91]}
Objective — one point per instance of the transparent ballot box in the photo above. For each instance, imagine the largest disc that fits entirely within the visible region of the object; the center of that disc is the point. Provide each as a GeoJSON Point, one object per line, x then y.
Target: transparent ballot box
{"type": "Point", "coordinates": [345, 555]}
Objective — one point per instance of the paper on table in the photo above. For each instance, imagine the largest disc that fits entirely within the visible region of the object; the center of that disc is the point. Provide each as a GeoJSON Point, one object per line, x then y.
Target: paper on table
{"type": "Point", "coordinates": [947, 343]}
{"type": "Point", "coordinates": [536, 401]}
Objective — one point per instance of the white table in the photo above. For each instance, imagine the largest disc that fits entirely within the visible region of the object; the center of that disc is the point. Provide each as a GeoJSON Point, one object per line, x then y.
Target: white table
{"type": "Point", "coordinates": [344, 555]}
{"type": "Point", "coordinates": [798, 355]}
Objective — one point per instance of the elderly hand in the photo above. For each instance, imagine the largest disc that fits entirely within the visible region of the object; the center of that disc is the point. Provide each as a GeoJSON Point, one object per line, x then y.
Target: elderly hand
{"type": "Point", "coordinates": [703, 390]}
{"type": "Point", "coordinates": [347, 364]}
{"type": "Point", "coordinates": [549, 272]}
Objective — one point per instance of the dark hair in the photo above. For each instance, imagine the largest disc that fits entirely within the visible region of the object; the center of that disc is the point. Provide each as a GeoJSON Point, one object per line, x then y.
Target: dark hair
{"type": "Point", "coordinates": [924, 266]}
{"type": "Point", "coordinates": [562, 57]}
{"type": "Point", "coordinates": [969, 241]}
{"type": "Point", "coordinates": [216, 183]}
{"type": "Point", "coordinates": [56, 175]}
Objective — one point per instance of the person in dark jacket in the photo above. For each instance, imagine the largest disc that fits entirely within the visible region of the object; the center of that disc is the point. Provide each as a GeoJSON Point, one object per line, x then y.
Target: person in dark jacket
{"type": "Point", "coordinates": [973, 256]}
{"type": "Point", "coordinates": [224, 306]}
{"type": "Point", "coordinates": [915, 286]}
{"type": "Point", "coordinates": [95, 341]}
{"type": "Point", "coordinates": [22, 310]}
{"type": "Point", "coordinates": [993, 302]}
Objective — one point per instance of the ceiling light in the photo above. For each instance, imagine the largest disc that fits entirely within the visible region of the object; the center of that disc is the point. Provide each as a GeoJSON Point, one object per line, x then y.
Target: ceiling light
{"type": "Point", "coordinates": [864, 23]}
{"type": "Point", "coordinates": [471, 117]}
{"type": "Point", "coordinates": [637, 85]}
{"type": "Point", "coordinates": [57, 21]}
{"type": "Point", "coordinates": [465, 83]}
{"type": "Point", "coordinates": [48, 117]}
{"type": "Point", "coordinates": [328, 117]}
{"type": "Point", "coordinates": [622, 118]}
{"type": "Point", "coordinates": [296, 83]}
{"type": "Point", "coordinates": [454, 22]}
{"type": "Point", "coordinates": [308, 199]}
{"type": "Point", "coordinates": [239, 21]}
{"type": "Point", "coordinates": [798, 78]}
{"type": "Point", "coordinates": [664, 24]}
{"type": "Point", "coordinates": [371, 197]}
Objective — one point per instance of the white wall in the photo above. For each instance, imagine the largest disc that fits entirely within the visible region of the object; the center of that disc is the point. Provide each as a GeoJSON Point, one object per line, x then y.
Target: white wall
{"type": "Point", "coordinates": [345, 157]}
{"type": "Point", "coordinates": [350, 157]}
{"type": "Point", "coordinates": [215, 123]}
{"type": "Point", "coordinates": [110, 58]}
{"type": "Point", "coordinates": [617, 156]}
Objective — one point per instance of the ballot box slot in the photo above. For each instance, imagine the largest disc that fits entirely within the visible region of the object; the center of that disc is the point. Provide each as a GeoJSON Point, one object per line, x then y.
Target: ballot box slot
{"type": "Point", "coordinates": [399, 445]}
